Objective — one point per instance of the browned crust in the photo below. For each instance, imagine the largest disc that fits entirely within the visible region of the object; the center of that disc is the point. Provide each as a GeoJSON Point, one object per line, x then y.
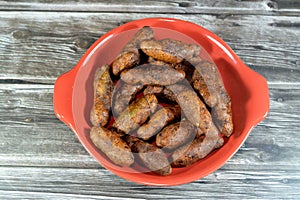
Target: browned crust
{"type": "Point", "coordinates": [149, 74]}
{"type": "Point", "coordinates": [151, 156]}
{"type": "Point", "coordinates": [198, 149]}
{"type": "Point", "coordinates": [123, 96]}
{"type": "Point", "coordinates": [175, 135]}
{"type": "Point", "coordinates": [112, 146]}
{"type": "Point", "coordinates": [161, 92]}
{"type": "Point", "coordinates": [222, 115]}
{"type": "Point", "coordinates": [169, 50]}
{"type": "Point", "coordinates": [136, 113]}
{"type": "Point", "coordinates": [130, 55]}
{"type": "Point", "coordinates": [103, 88]}
{"type": "Point", "coordinates": [125, 60]}
{"type": "Point", "coordinates": [157, 121]}
{"type": "Point", "coordinates": [205, 89]}
{"type": "Point", "coordinates": [192, 107]}
{"type": "Point", "coordinates": [208, 82]}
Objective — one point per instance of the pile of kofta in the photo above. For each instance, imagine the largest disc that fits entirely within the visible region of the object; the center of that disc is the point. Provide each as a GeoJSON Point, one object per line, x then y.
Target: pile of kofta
{"type": "Point", "coordinates": [169, 106]}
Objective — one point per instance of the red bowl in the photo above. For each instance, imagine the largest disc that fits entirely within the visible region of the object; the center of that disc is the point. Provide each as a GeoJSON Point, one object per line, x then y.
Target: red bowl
{"type": "Point", "coordinates": [73, 95]}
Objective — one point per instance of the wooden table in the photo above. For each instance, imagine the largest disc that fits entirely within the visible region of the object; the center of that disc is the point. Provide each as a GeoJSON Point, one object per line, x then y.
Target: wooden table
{"type": "Point", "coordinates": [40, 158]}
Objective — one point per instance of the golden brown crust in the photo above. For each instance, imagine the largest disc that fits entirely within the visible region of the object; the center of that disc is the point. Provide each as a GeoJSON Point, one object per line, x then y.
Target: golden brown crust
{"type": "Point", "coordinates": [123, 96]}
{"type": "Point", "coordinates": [161, 92]}
{"type": "Point", "coordinates": [103, 88]}
{"type": "Point", "coordinates": [125, 60]}
{"type": "Point", "coordinates": [209, 95]}
{"type": "Point", "coordinates": [175, 135]}
{"type": "Point", "coordinates": [151, 156]}
{"type": "Point", "coordinates": [153, 89]}
{"type": "Point", "coordinates": [222, 114]}
{"type": "Point", "coordinates": [170, 51]}
{"type": "Point", "coordinates": [130, 55]}
{"type": "Point", "coordinates": [188, 70]}
{"type": "Point", "coordinates": [192, 107]}
{"type": "Point", "coordinates": [136, 113]}
{"type": "Point", "coordinates": [157, 121]}
{"type": "Point", "coordinates": [112, 146]}
{"type": "Point", "coordinates": [186, 67]}
{"type": "Point", "coordinates": [99, 114]}
{"type": "Point", "coordinates": [149, 74]}
{"type": "Point", "coordinates": [208, 82]}
{"type": "Point", "coordinates": [198, 149]}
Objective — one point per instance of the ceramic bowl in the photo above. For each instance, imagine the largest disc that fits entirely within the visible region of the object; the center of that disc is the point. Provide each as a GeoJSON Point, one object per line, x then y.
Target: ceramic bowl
{"type": "Point", "coordinates": [73, 95]}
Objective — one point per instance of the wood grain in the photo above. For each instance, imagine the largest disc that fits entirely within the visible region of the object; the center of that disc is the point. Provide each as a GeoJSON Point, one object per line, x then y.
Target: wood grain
{"type": "Point", "coordinates": [31, 146]}
{"type": "Point", "coordinates": [98, 183]}
{"type": "Point", "coordinates": [44, 45]}
{"type": "Point", "coordinates": [40, 158]}
{"type": "Point", "coordinates": [129, 6]}
{"type": "Point", "coordinates": [216, 7]}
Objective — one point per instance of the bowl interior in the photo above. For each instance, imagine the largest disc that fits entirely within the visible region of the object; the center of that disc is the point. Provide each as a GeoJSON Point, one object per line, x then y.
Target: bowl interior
{"type": "Point", "coordinates": [230, 67]}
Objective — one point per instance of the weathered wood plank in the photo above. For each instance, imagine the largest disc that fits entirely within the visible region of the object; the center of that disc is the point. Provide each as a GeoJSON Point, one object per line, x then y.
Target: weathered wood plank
{"type": "Point", "coordinates": [220, 7]}
{"type": "Point", "coordinates": [290, 4]}
{"type": "Point", "coordinates": [26, 113]}
{"type": "Point", "coordinates": [32, 136]}
{"type": "Point", "coordinates": [51, 195]}
{"type": "Point", "coordinates": [128, 6]}
{"type": "Point", "coordinates": [50, 162]}
{"type": "Point", "coordinates": [40, 158]}
{"type": "Point", "coordinates": [98, 183]}
{"type": "Point", "coordinates": [44, 45]}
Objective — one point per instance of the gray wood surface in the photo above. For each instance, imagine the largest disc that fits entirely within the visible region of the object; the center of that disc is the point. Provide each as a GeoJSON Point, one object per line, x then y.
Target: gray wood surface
{"type": "Point", "coordinates": [40, 158]}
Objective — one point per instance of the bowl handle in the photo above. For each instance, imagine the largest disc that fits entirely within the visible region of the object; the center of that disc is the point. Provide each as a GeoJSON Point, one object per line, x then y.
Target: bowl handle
{"type": "Point", "coordinates": [62, 98]}
{"type": "Point", "coordinates": [261, 100]}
